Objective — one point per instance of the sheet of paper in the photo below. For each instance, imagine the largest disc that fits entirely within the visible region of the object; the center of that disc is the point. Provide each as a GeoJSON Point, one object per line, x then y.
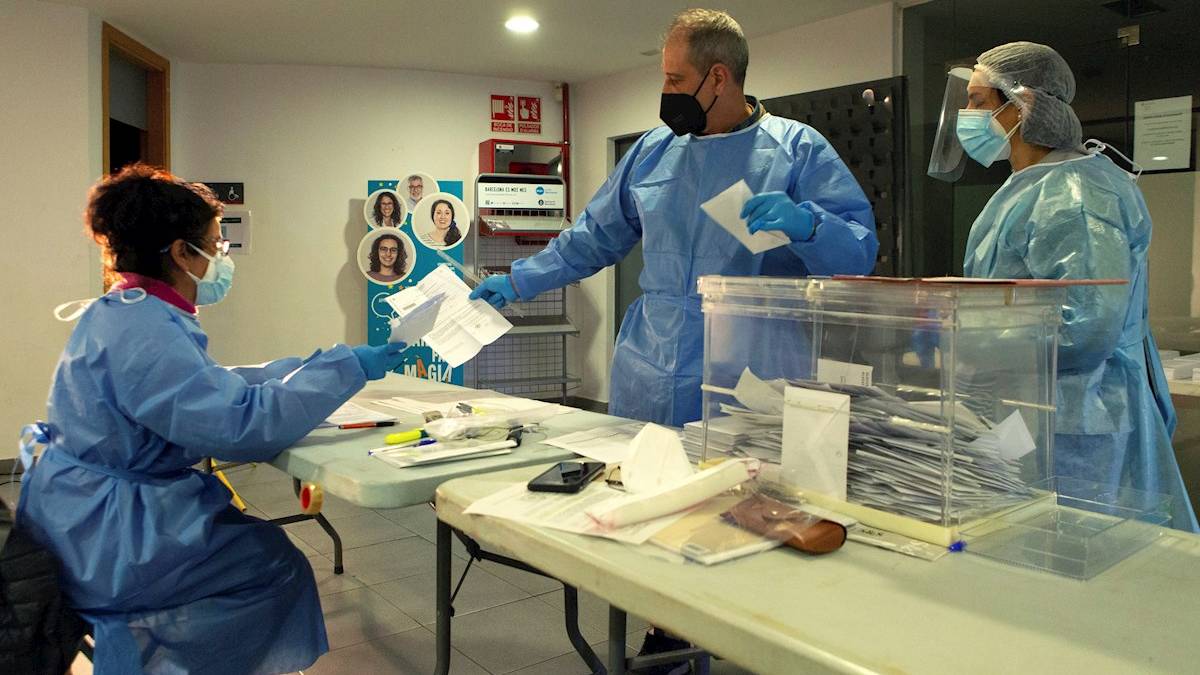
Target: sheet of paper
{"type": "Point", "coordinates": [463, 325]}
{"type": "Point", "coordinates": [484, 402]}
{"type": "Point", "coordinates": [816, 436]}
{"type": "Point", "coordinates": [564, 511]}
{"type": "Point", "coordinates": [353, 413]}
{"type": "Point", "coordinates": [1010, 438]}
{"type": "Point", "coordinates": [726, 210]}
{"type": "Point", "coordinates": [656, 459]}
{"type": "Point", "coordinates": [438, 453]}
{"type": "Point", "coordinates": [416, 315]}
{"type": "Point", "coordinates": [759, 395]}
{"type": "Point", "coordinates": [841, 372]}
{"type": "Point", "coordinates": [604, 444]}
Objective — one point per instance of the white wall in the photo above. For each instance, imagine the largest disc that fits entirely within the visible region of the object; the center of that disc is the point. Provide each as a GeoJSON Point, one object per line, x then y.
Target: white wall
{"type": "Point", "coordinates": [50, 145]}
{"type": "Point", "coordinates": [851, 48]}
{"type": "Point", "coordinates": [305, 140]}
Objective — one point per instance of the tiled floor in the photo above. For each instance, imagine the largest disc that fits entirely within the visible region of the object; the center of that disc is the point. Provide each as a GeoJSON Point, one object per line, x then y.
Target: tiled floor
{"type": "Point", "coordinates": [380, 614]}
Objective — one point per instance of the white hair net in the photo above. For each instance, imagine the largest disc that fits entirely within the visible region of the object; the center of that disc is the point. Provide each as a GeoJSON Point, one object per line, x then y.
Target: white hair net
{"type": "Point", "coordinates": [1040, 83]}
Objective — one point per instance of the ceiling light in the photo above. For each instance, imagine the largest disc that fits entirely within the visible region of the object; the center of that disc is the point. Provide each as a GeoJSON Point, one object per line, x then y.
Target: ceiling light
{"type": "Point", "coordinates": [521, 24]}
{"type": "Point", "coordinates": [1160, 158]}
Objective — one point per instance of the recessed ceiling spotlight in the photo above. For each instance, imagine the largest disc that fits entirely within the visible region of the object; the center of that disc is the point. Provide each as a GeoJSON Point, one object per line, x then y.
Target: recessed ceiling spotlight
{"type": "Point", "coordinates": [521, 24]}
{"type": "Point", "coordinates": [1160, 158]}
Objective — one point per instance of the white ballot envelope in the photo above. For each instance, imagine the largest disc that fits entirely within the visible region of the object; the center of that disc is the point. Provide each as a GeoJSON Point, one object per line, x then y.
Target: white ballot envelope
{"type": "Point", "coordinates": [416, 314]}
{"type": "Point", "coordinates": [816, 440]}
{"type": "Point", "coordinates": [463, 326]}
{"type": "Point", "coordinates": [726, 210]}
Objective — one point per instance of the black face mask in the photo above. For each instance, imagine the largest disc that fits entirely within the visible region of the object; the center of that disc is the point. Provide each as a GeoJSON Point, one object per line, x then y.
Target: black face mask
{"type": "Point", "coordinates": [682, 112]}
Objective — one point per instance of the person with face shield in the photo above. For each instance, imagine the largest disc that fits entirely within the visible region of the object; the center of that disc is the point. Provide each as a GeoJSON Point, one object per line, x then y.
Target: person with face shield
{"type": "Point", "coordinates": [172, 577]}
{"type": "Point", "coordinates": [714, 136]}
{"type": "Point", "coordinates": [1068, 212]}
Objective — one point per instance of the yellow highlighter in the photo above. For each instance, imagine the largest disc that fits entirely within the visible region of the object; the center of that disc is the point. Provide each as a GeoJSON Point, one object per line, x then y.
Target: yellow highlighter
{"type": "Point", "coordinates": [402, 437]}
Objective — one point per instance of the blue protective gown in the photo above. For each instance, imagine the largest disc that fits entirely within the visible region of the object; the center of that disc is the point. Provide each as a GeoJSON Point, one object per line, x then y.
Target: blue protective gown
{"type": "Point", "coordinates": [654, 195]}
{"type": "Point", "coordinates": [175, 579]}
{"type": "Point", "coordinates": [1079, 216]}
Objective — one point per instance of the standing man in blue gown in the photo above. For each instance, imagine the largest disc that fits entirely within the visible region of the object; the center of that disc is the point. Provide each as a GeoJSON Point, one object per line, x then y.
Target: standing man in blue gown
{"type": "Point", "coordinates": [714, 136]}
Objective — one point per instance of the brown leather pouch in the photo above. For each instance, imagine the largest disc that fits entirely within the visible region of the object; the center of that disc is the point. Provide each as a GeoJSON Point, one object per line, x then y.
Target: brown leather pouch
{"type": "Point", "coordinates": [776, 520]}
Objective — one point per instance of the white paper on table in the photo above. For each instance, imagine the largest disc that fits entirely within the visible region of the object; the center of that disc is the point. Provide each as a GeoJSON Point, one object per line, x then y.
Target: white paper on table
{"type": "Point", "coordinates": [816, 438]}
{"type": "Point", "coordinates": [514, 404]}
{"type": "Point", "coordinates": [656, 458]}
{"type": "Point", "coordinates": [487, 403]}
{"type": "Point", "coordinates": [353, 413]}
{"type": "Point", "coordinates": [759, 395]}
{"type": "Point", "coordinates": [1010, 438]}
{"type": "Point", "coordinates": [416, 315]}
{"type": "Point", "coordinates": [726, 210]}
{"type": "Point", "coordinates": [677, 496]}
{"type": "Point", "coordinates": [404, 457]}
{"type": "Point", "coordinates": [463, 326]}
{"type": "Point", "coordinates": [565, 512]}
{"type": "Point", "coordinates": [605, 444]}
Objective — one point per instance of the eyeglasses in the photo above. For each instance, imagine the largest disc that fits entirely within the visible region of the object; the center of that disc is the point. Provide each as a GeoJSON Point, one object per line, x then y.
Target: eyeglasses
{"type": "Point", "coordinates": [613, 478]}
{"type": "Point", "coordinates": [388, 249]}
{"type": "Point", "coordinates": [223, 245]}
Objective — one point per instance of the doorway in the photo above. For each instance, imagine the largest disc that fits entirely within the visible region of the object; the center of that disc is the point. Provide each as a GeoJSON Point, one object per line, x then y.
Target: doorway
{"type": "Point", "coordinates": [136, 83]}
{"type": "Point", "coordinates": [630, 267]}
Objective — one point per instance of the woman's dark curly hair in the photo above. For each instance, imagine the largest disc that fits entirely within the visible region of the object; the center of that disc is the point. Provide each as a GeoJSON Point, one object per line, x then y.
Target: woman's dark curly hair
{"type": "Point", "coordinates": [378, 214]}
{"type": "Point", "coordinates": [401, 255]}
{"type": "Point", "coordinates": [137, 212]}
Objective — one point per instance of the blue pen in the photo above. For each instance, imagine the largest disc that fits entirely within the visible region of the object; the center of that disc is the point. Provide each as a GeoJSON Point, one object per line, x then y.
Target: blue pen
{"type": "Point", "coordinates": [406, 446]}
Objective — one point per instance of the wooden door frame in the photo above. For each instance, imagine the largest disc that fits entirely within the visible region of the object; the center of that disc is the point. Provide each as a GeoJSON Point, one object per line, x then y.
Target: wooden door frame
{"type": "Point", "coordinates": [158, 93]}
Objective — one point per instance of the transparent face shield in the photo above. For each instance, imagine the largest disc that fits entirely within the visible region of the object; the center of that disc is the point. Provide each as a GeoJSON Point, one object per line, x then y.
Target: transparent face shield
{"type": "Point", "coordinates": [947, 160]}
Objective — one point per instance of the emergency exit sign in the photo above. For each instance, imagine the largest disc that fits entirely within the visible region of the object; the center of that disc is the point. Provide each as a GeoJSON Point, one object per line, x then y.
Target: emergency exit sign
{"type": "Point", "coordinates": [516, 114]}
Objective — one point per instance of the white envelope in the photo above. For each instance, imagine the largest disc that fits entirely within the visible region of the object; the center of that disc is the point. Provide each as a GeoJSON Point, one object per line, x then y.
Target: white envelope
{"type": "Point", "coordinates": [416, 312]}
{"type": "Point", "coordinates": [816, 440]}
{"type": "Point", "coordinates": [726, 210]}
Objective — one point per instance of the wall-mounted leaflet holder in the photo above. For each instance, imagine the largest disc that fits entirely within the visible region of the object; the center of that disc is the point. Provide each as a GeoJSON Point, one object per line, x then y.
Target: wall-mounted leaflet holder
{"type": "Point", "coordinates": [520, 205]}
{"type": "Point", "coordinates": [235, 226]}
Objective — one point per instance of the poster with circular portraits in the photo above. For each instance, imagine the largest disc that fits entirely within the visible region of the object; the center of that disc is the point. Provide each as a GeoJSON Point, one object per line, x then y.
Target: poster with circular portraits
{"type": "Point", "coordinates": [386, 255]}
{"type": "Point", "coordinates": [413, 187]}
{"type": "Point", "coordinates": [441, 220]}
{"type": "Point", "coordinates": [385, 208]}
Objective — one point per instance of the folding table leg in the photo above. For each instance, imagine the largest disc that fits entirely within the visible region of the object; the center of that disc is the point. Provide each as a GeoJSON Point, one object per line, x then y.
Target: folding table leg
{"type": "Point", "coordinates": [443, 599]}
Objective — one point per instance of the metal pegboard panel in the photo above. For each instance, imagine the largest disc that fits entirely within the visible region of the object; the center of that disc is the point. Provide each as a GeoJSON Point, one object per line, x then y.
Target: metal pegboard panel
{"type": "Point", "coordinates": [867, 131]}
{"type": "Point", "coordinates": [504, 363]}
{"type": "Point", "coordinates": [496, 254]}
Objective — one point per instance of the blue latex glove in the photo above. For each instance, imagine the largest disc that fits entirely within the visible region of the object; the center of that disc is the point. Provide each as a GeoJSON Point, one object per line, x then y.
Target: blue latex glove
{"type": "Point", "coordinates": [777, 211]}
{"type": "Point", "coordinates": [924, 344]}
{"type": "Point", "coordinates": [379, 361]}
{"type": "Point", "coordinates": [497, 290]}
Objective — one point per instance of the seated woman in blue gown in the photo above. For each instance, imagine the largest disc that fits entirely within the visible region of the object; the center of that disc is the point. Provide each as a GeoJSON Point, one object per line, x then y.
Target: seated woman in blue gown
{"type": "Point", "coordinates": [172, 577]}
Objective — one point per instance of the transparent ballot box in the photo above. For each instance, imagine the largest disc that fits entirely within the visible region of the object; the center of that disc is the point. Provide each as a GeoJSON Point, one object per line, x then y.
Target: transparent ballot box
{"type": "Point", "coordinates": [913, 406]}
{"type": "Point", "coordinates": [1071, 527]}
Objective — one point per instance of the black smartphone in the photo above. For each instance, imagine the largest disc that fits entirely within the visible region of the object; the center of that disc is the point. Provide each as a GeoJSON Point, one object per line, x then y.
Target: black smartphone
{"type": "Point", "coordinates": [566, 477]}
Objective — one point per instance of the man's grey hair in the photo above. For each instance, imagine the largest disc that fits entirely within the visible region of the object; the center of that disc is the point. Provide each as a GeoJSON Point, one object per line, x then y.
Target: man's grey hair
{"type": "Point", "coordinates": [712, 37]}
{"type": "Point", "coordinates": [414, 177]}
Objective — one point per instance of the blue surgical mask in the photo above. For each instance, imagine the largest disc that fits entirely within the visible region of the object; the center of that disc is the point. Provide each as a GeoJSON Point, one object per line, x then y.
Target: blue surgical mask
{"type": "Point", "coordinates": [217, 279]}
{"type": "Point", "coordinates": [982, 136]}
